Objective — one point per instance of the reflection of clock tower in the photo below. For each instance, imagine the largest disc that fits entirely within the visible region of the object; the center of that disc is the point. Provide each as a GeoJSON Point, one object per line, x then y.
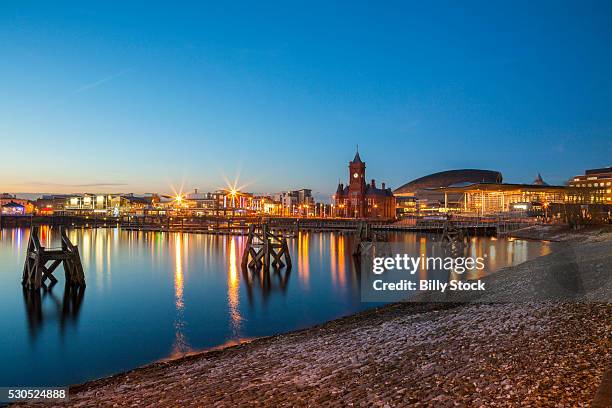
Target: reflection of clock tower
{"type": "Point", "coordinates": [357, 187]}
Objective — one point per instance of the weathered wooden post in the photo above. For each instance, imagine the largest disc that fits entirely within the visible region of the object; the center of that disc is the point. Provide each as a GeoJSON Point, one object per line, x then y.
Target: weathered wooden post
{"type": "Point", "coordinates": [35, 270]}
{"type": "Point", "coordinates": [247, 247]}
{"type": "Point", "coordinates": [265, 248]}
{"type": "Point", "coordinates": [365, 238]}
{"type": "Point", "coordinates": [451, 234]}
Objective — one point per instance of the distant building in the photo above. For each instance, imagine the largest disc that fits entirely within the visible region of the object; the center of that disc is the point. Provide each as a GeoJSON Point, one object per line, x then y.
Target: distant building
{"type": "Point", "coordinates": [595, 184]}
{"type": "Point", "coordinates": [488, 198]}
{"type": "Point", "coordinates": [89, 203]}
{"type": "Point", "coordinates": [360, 199]}
{"type": "Point", "coordinates": [199, 203]}
{"type": "Point", "coordinates": [102, 204]}
{"type": "Point", "coordinates": [6, 198]}
{"type": "Point", "coordinates": [424, 194]}
{"type": "Point", "coordinates": [138, 205]}
{"type": "Point", "coordinates": [482, 192]}
{"type": "Point", "coordinates": [220, 202]}
{"type": "Point", "coordinates": [266, 205]}
{"type": "Point", "coordinates": [13, 208]}
{"type": "Point", "coordinates": [296, 202]}
{"type": "Point", "coordinates": [50, 204]}
{"type": "Point", "coordinates": [230, 202]}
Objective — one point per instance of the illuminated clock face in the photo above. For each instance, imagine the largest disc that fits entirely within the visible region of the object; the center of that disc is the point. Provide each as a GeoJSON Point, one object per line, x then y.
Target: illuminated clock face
{"type": "Point", "coordinates": [355, 175]}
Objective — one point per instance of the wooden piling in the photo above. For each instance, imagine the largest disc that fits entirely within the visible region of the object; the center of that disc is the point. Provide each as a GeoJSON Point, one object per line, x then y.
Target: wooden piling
{"type": "Point", "coordinates": [35, 270]}
{"type": "Point", "coordinates": [264, 248]}
{"type": "Point", "coordinates": [452, 235]}
{"type": "Point", "coordinates": [365, 238]}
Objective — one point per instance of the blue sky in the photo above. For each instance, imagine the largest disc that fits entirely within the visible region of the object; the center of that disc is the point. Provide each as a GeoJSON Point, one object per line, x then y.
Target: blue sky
{"type": "Point", "coordinates": [147, 97]}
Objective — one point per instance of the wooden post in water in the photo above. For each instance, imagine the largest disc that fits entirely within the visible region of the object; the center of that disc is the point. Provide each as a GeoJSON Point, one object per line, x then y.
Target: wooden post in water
{"type": "Point", "coordinates": [451, 234]}
{"type": "Point", "coordinates": [264, 248]}
{"type": "Point", "coordinates": [365, 237]}
{"type": "Point", "coordinates": [36, 271]}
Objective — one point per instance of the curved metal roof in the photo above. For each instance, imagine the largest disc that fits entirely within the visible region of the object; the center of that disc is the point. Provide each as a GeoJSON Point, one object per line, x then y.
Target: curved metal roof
{"type": "Point", "coordinates": [450, 177]}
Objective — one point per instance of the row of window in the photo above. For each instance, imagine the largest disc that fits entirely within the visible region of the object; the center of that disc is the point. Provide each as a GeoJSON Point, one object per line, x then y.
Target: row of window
{"type": "Point", "coordinates": [602, 184]}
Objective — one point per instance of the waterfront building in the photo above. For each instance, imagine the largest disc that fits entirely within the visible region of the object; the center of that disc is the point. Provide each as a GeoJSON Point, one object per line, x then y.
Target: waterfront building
{"type": "Point", "coordinates": [140, 205]}
{"type": "Point", "coordinates": [360, 199]}
{"type": "Point", "coordinates": [482, 192]}
{"type": "Point", "coordinates": [266, 205]}
{"type": "Point", "coordinates": [405, 205]}
{"type": "Point", "coordinates": [13, 208]}
{"type": "Point", "coordinates": [199, 204]}
{"type": "Point", "coordinates": [323, 210]}
{"type": "Point", "coordinates": [488, 198]}
{"type": "Point", "coordinates": [87, 204]}
{"type": "Point", "coordinates": [6, 198]}
{"type": "Point", "coordinates": [50, 204]}
{"type": "Point", "coordinates": [594, 186]}
{"type": "Point", "coordinates": [296, 202]}
{"type": "Point", "coordinates": [424, 195]}
{"type": "Point", "coordinates": [219, 202]}
{"type": "Point", "coordinates": [105, 204]}
{"type": "Point", "coordinates": [233, 202]}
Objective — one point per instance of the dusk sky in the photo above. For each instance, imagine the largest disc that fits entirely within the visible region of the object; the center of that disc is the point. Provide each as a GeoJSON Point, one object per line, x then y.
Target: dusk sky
{"type": "Point", "coordinates": [111, 97]}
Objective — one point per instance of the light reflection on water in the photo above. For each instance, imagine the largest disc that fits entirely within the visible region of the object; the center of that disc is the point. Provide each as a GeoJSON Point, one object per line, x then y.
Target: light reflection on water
{"type": "Point", "coordinates": [233, 289]}
{"type": "Point", "coordinates": [181, 345]}
{"type": "Point", "coordinates": [155, 295]}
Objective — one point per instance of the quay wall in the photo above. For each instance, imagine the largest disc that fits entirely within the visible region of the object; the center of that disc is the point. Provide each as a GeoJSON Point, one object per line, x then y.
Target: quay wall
{"type": "Point", "coordinates": [238, 225]}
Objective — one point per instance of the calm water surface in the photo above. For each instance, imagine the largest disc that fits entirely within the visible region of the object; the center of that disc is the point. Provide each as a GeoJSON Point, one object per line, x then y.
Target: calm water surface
{"type": "Point", "coordinates": [152, 296]}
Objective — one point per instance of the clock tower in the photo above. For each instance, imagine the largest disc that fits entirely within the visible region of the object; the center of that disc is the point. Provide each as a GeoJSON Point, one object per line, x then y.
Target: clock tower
{"type": "Point", "coordinates": [357, 187]}
{"type": "Point", "coordinates": [360, 199]}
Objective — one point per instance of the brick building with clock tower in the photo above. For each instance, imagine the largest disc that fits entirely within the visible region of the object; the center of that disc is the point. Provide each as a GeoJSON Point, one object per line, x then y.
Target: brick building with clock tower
{"type": "Point", "coordinates": [360, 199]}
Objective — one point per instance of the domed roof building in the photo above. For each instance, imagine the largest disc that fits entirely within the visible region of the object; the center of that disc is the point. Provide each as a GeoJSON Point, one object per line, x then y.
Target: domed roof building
{"type": "Point", "coordinates": [425, 193]}
{"type": "Point", "coordinates": [449, 178]}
